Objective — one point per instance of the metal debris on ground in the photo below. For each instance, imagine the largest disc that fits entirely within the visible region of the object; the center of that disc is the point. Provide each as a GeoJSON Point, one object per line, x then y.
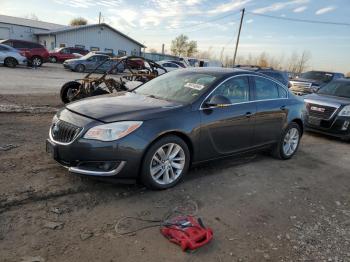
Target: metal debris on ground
{"type": "Point", "coordinates": [7, 147]}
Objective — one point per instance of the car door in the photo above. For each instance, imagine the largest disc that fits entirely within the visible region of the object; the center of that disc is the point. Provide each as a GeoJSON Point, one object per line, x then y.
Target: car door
{"type": "Point", "coordinates": [3, 51]}
{"type": "Point", "coordinates": [91, 62]}
{"type": "Point", "coordinates": [271, 101]}
{"type": "Point", "coordinates": [229, 129]}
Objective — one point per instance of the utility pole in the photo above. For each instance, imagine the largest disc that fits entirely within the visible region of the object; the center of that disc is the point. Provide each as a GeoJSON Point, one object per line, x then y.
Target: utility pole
{"type": "Point", "coordinates": [239, 34]}
{"type": "Point", "coordinates": [99, 18]}
{"type": "Point", "coordinates": [163, 49]}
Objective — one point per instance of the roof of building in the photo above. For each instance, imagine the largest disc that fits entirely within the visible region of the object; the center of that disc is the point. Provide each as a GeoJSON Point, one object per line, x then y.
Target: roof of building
{"type": "Point", "coordinates": [28, 22]}
{"type": "Point", "coordinates": [71, 28]}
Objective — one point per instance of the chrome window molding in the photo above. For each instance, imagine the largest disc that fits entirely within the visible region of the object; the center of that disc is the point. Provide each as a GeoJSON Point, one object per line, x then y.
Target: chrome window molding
{"type": "Point", "coordinates": [245, 102]}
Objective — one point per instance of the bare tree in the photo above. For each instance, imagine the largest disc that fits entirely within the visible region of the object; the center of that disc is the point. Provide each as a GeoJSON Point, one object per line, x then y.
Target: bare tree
{"type": "Point", "coordinates": [303, 61]}
{"type": "Point", "coordinates": [181, 46]}
{"type": "Point", "coordinates": [78, 21]}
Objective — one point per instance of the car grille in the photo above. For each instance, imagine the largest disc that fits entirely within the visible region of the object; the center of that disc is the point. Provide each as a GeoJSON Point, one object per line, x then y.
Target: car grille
{"type": "Point", "coordinates": [300, 85]}
{"type": "Point", "coordinates": [320, 111]}
{"type": "Point", "coordinates": [64, 132]}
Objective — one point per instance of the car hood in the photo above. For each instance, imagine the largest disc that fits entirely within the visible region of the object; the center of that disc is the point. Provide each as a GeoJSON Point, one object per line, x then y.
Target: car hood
{"type": "Point", "coordinates": [326, 100]}
{"type": "Point", "coordinates": [74, 60]}
{"type": "Point", "coordinates": [122, 106]}
{"type": "Point", "coordinates": [315, 82]}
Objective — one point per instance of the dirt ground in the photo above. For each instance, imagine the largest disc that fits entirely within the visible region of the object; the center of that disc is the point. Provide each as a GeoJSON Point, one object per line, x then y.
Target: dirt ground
{"type": "Point", "coordinates": [260, 208]}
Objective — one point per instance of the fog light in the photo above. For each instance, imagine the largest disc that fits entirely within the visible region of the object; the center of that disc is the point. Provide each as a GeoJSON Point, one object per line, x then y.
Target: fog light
{"type": "Point", "coordinates": [345, 125]}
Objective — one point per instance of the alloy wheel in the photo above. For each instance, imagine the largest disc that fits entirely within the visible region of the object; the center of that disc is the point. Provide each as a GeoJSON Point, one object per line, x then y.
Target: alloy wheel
{"type": "Point", "coordinates": [36, 61]}
{"type": "Point", "coordinates": [167, 163]}
{"type": "Point", "coordinates": [291, 141]}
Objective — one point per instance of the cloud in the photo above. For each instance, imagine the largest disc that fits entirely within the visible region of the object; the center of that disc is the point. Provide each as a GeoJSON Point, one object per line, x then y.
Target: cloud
{"type": "Point", "coordinates": [325, 10]}
{"type": "Point", "coordinates": [230, 6]}
{"type": "Point", "coordinates": [249, 21]}
{"type": "Point", "coordinates": [300, 9]}
{"type": "Point", "coordinates": [279, 6]}
{"type": "Point", "coordinates": [89, 3]}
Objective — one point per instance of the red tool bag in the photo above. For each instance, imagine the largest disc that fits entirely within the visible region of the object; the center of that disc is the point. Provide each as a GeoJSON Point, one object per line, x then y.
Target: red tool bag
{"type": "Point", "coordinates": [187, 231]}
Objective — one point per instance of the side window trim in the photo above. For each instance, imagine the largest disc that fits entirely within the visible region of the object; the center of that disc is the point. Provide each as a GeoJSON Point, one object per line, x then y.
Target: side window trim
{"type": "Point", "coordinates": [221, 83]}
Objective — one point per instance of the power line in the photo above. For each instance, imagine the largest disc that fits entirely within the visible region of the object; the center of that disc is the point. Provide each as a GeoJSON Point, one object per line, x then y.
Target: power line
{"type": "Point", "coordinates": [200, 23]}
{"type": "Point", "coordinates": [300, 20]}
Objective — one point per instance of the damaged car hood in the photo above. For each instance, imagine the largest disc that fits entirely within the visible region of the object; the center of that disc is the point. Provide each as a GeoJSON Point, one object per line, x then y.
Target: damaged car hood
{"type": "Point", "coordinates": [122, 106]}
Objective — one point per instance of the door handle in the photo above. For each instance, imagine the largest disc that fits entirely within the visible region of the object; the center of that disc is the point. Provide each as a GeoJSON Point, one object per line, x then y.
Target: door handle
{"type": "Point", "coordinates": [283, 108]}
{"type": "Point", "coordinates": [248, 114]}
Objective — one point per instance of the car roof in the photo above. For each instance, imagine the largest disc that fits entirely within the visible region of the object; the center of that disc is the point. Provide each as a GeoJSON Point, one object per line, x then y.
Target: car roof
{"type": "Point", "coordinates": [342, 80]}
{"type": "Point", "coordinates": [224, 72]}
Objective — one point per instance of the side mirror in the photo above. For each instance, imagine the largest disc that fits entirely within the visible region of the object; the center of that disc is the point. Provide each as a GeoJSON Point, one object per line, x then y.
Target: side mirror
{"type": "Point", "coordinates": [218, 101]}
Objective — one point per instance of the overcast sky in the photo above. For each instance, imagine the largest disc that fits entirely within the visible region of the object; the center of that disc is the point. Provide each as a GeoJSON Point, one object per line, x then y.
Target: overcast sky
{"type": "Point", "coordinates": [154, 22]}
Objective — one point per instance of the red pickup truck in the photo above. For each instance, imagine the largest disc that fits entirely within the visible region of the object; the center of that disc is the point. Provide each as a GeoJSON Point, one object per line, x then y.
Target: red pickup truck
{"type": "Point", "coordinates": [35, 53]}
{"type": "Point", "coordinates": [65, 53]}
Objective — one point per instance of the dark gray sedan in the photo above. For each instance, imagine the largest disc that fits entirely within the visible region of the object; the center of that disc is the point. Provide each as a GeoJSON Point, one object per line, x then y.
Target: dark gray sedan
{"type": "Point", "coordinates": [88, 63]}
{"type": "Point", "coordinates": [184, 117]}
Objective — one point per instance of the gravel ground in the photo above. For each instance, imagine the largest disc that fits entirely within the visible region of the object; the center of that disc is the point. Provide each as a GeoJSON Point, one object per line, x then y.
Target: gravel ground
{"type": "Point", "coordinates": [260, 208]}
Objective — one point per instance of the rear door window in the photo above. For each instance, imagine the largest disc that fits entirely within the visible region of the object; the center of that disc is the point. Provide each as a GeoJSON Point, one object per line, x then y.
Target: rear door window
{"type": "Point", "coordinates": [265, 89]}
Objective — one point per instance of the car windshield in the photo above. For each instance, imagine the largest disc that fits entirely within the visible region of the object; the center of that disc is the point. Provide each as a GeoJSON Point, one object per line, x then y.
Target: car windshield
{"type": "Point", "coordinates": [318, 76]}
{"type": "Point", "coordinates": [277, 76]}
{"type": "Point", "coordinates": [181, 86]}
{"type": "Point", "coordinates": [341, 89]}
{"type": "Point", "coordinates": [87, 56]}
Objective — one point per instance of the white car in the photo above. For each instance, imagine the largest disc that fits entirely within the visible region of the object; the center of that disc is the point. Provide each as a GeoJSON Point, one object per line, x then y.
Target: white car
{"type": "Point", "coordinates": [169, 66]}
{"type": "Point", "coordinates": [11, 57]}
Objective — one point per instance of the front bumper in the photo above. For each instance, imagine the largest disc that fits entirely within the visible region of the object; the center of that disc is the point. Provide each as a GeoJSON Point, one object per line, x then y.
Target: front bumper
{"type": "Point", "coordinates": [337, 126]}
{"type": "Point", "coordinates": [67, 66]}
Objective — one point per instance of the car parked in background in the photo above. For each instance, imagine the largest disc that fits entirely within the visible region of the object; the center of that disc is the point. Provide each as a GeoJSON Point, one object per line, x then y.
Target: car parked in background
{"type": "Point", "coordinates": [328, 110]}
{"type": "Point", "coordinates": [88, 63]}
{"type": "Point", "coordinates": [182, 64]}
{"type": "Point", "coordinates": [11, 57]}
{"type": "Point", "coordinates": [35, 53]}
{"type": "Point", "coordinates": [169, 66]}
{"type": "Point", "coordinates": [310, 82]}
{"type": "Point", "coordinates": [65, 53]}
{"type": "Point", "coordinates": [188, 116]}
{"type": "Point", "coordinates": [280, 76]}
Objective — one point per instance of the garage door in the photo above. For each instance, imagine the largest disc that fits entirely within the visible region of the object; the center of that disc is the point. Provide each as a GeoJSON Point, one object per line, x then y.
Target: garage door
{"type": "Point", "coordinates": [4, 33]}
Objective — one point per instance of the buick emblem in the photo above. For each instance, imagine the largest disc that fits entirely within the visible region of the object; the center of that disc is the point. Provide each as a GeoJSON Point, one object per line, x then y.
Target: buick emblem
{"type": "Point", "coordinates": [318, 109]}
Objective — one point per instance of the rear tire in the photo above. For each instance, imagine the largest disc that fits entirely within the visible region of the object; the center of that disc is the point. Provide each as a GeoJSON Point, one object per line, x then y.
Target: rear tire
{"type": "Point", "coordinates": [80, 68]}
{"type": "Point", "coordinates": [289, 142]}
{"type": "Point", "coordinates": [36, 61]}
{"type": "Point", "coordinates": [67, 90]}
{"type": "Point", "coordinates": [10, 62]}
{"type": "Point", "coordinates": [166, 162]}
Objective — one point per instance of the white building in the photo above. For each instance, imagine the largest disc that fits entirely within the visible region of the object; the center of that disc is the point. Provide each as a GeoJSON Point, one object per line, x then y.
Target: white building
{"type": "Point", "coordinates": [23, 29]}
{"type": "Point", "coordinates": [94, 37]}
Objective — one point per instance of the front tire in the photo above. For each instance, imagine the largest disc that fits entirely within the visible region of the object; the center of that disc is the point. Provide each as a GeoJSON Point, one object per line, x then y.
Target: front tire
{"type": "Point", "coordinates": [53, 59]}
{"type": "Point", "coordinates": [10, 62]}
{"type": "Point", "coordinates": [80, 68]}
{"type": "Point", "coordinates": [166, 162]}
{"type": "Point", "coordinates": [289, 142]}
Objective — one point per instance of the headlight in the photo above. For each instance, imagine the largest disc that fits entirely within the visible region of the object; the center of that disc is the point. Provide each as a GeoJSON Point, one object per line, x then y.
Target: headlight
{"type": "Point", "coordinates": [345, 111]}
{"type": "Point", "coordinates": [113, 131]}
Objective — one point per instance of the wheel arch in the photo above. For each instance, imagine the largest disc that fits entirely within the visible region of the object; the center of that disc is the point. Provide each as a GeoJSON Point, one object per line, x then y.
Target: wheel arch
{"type": "Point", "coordinates": [299, 122]}
{"type": "Point", "coordinates": [179, 134]}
